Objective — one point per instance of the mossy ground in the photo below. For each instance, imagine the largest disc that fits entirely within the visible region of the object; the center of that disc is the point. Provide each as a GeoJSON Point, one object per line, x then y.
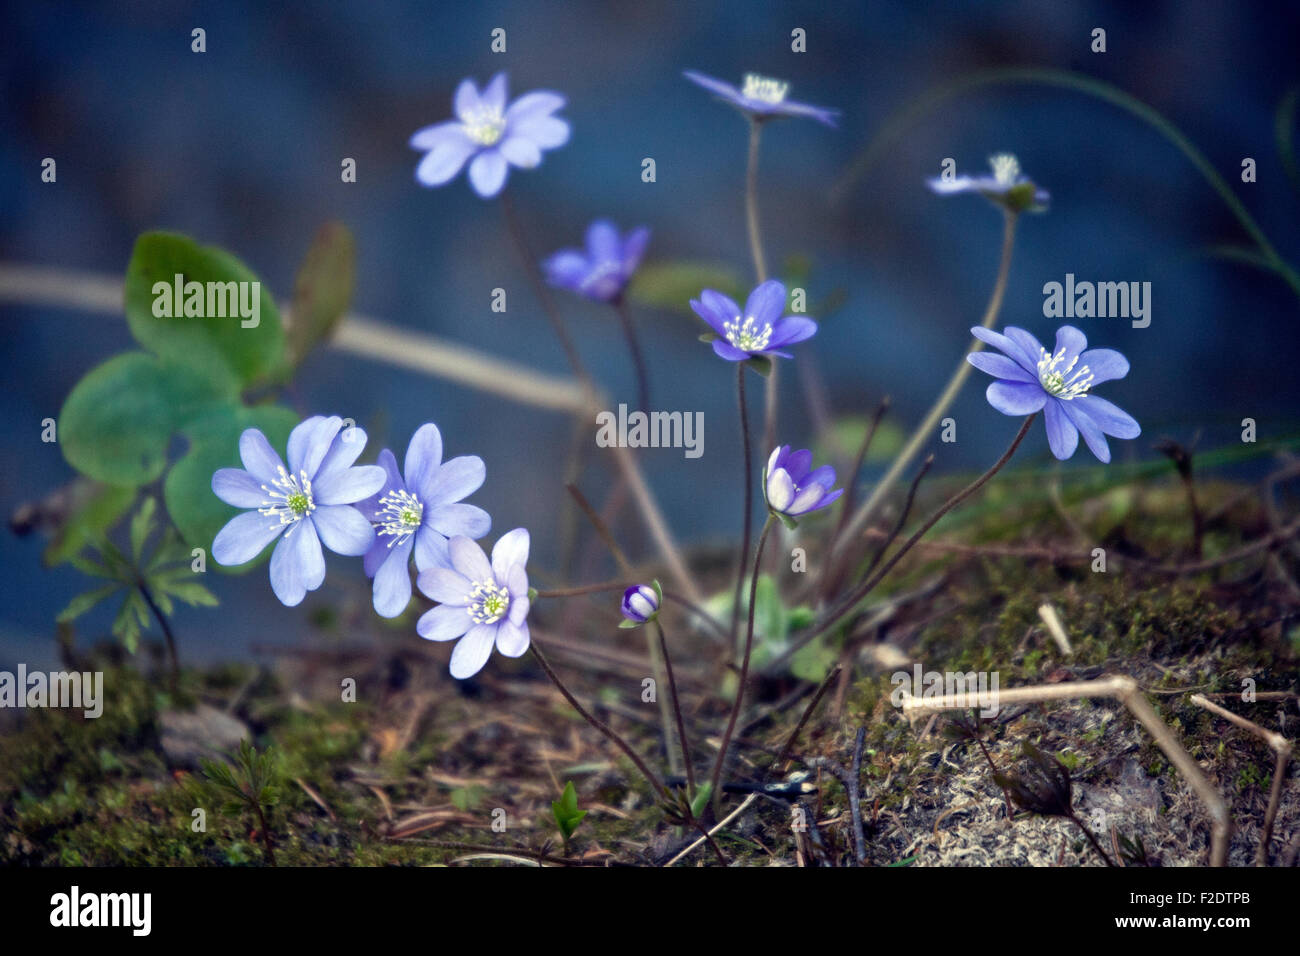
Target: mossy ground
{"type": "Point", "coordinates": [419, 760]}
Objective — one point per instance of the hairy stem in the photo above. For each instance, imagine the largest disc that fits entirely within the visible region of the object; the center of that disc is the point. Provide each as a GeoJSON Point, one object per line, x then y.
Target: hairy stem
{"type": "Point", "coordinates": [744, 668]}
{"type": "Point", "coordinates": [677, 710]}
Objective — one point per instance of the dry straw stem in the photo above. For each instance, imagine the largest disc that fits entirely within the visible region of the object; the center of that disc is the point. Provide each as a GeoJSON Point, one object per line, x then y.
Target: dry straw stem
{"type": "Point", "coordinates": [1052, 621]}
{"type": "Point", "coordinates": [1281, 746]}
{"type": "Point", "coordinates": [1124, 689]}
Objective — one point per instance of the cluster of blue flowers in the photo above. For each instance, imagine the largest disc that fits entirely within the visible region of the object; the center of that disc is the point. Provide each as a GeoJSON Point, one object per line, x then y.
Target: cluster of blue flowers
{"type": "Point", "coordinates": [322, 498]}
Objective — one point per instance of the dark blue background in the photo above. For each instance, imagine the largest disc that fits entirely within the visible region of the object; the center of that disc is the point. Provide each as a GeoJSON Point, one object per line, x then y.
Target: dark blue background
{"type": "Point", "coordinates": [240, 147]}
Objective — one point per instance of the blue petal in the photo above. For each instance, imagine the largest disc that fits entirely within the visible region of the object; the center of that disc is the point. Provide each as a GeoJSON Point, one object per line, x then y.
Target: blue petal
{"type": "Point", "coordinates": [446, 586]}
{"type": "Point", "coordinates": [468, 558]}
{"type": "Point", "coordinates": [1006, 345]}
{"type": "Point", "coordinates": [1062, 436]}
{"type": "Point", "coordinates": [439, 134]}
{"type": "Point", "coordinates": [537, 105]}
{"type": "Point", "coordinates": [452, 519]}
{"type": "Point", "coordinates": [258, 456]}
{"type": "Point", "coordinates": [342, 452]}
{"type": "Point", "coordinates": [309, 441]}
{"type": "Point", "coordinates": [244, 537]}
{"type": "Point", "coordinates": [1092, 435]}
{"type": "Point", "coordinates": [370, 506]}
{"type": "Point", "coordinates": [445, 161]}
{"type": "Point", "coordinates": [713, 86]}
{"type": "Point", "coordinates": [350, 485]}
{"type": "Point", "coordinates": [494, 95]}
{"type": "Point", "coordinates": [431, 549]}
{"type": "Point", "coordinates": [237, 487]}
{"type": "Point", "coordinates": [1000, 366]}
{"type": "Point", "coordinates": [521, 151]}
{"type": "Point", "coordinates": [1072, 340]}
{"type": "Point", "coordinates": [1029, 346]}
{"type": "Point", "coordinates": [724, 349]}
{"type": "Point", "coordinates": [1016, 398]}
{"type": "Point", "coordinates": [456, 479]}
{"type": "Point", "coordinates": [392, 590]}
{"type": "Point", "coordinates": [1105, 364]}
{"type": "Point", "coordinates": [443, 623]}
{"type": "Point", "coordinates": [343, 529]}
{"type": "Point", "coordinates": [487, 173]}
{"type": "Point", "coordinates": [792, 329]}
{"type": "Point", "coordinates": [297, 564]}
{"type": "Point", "coordinates": [473, 650]}
{"type": "Point", "coordinates": [466, 101]}
{"type": "Point", "coordinates": [510, 551]}
{"type": "Point", "coordinates": [512, 639]}
{"type": "Point", "coordinates": [603, 244]}
{"type": "Point", "coordinates": [423, 457]}
{"type": "Point", "coordinates": [633, 249]}
{"type": "Point", "coordinates": [1110, 418]}
{"type": "Point", "coordinates": [766, 303]}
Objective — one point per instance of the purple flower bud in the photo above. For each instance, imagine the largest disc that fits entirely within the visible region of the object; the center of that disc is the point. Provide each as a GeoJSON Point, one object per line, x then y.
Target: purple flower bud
{"type": "Point", "coordinates": [640, 603]}
{"type": "Point", "coordinates": [792, 488]}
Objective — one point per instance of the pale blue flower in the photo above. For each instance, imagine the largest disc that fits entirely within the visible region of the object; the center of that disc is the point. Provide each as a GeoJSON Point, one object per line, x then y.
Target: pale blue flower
{"type": "Point", "coordinates": [308, 504]}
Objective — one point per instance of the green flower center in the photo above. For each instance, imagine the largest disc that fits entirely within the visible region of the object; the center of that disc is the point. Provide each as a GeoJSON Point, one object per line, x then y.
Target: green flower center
{"type": "Point", "coordinates": [1065, 383]}
{"type": "Point", "coordinates": [485, 126]}
{"type": "Point", "coordinates": [748, 336]}
{"type": "Point", "coordinates": [488, 603]}
{"type": "Point", "coordinates": [288, 497]}
{"type": "Point", "coordinates": [400, 514]}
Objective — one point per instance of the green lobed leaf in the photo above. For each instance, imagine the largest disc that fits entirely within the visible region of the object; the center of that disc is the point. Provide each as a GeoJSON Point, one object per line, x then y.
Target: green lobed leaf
{"type": "Point", "coordinates": [214, 443]}
{"type": "Point", "coordinates": [672, 285]}
{"type": "Point", "coordinates": [82, 603]}
{"type": "Point", "coordinates": [90, 519]}
{"type": "Point", "coordinates": [118, 420]}
{"type": "Point", "coordinates": [142, 527]}
{"type": "Point", "coordinates": [248, 353]}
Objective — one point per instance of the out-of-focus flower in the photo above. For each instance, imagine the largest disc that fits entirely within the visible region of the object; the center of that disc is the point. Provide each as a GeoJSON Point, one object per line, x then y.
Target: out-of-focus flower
{"type": "Point", "coordinates": [757, 331]}
{"type": "Point", "coordinates": [1007, 187]}
{"type": "Point", "coordinates": [490, 136]}
{"type": "Point", "coordinates": [480, 603]}
{"type": "Point", "coordinates": [762, 98]}
{"type": "Point", "coordinates": [792, 489]}
{"type": "Point", "coordinates": [1030, 378]}
{"type": "Point", "coordinates": [310, 503]}
{"type": "Point", "coordinates": [603, 270]}
{"type": "Point", "coordinates": [419, 512]}
{"type": "Point", "coordinates": [641, 604]}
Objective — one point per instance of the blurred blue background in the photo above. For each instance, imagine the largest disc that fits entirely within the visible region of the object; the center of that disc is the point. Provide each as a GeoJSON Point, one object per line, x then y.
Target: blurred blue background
{"type": "Point", "coordinates": [240, 147]}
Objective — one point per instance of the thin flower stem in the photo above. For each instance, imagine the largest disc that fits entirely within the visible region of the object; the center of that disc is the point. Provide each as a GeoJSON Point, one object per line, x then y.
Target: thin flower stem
{"type": "Point", "coordinates": [902, 516]}
{"type": "Point", "coordinates": [949, 394]}
{"type": "Point", "coordinates": [852, 601]}
{"type": "Point", "coordinates": [744, 667]}
{"type": "Point", "coordinates": [1092, 839]}
{"type": "Point", "coordinates": [747, 484]}
{"type": "Point", "coordinates": [677, 710]}
{"type": "Point", "coordinates": [638, 359]}
{"type": "Point", "coordinates": [583, 589]}
{"type": "Point", "coordinates": [760, 271]}
{"type": "Point", "coordinates": [603, 728]}
{"type": "Point", "coordinates": [266, 833]}
{"type": "Point", "coordinates": [829, 578]}
{"type": "Point", "coordinates": [516, 232]}
{"type": "Point", "coordinates": [175, 671]}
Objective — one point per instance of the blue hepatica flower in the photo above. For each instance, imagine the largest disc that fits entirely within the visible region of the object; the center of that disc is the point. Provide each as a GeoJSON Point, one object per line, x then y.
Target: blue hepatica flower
{"type": "Point", "coordinates": [601, 272]}
{"type": "Point", "coordinates": [757, 331]}
{"type": "Point", "coordinates": [480, 603]}
{"type": "Point", "coordinates": [1006, 187]}
{"type": "Point", "coordinates": [490, 136]}
{"type": "Point", "coordinates": [640, 604]}
{"type": "Point", "coordinates": [419, 512]}
{"type": "Point", "coordinates": [762, 98]}
{"type": "Point", "coordinates": [792, 488]}
{"type": "Point", "coordinates": [1060, 382]}
{"type": "Point", "coordinates": [310, 503]}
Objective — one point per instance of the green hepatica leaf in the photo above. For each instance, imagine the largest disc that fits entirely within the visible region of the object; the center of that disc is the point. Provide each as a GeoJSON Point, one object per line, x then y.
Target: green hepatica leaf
{"type": "Point", "coordinates": [214, 443]}
{"type": "Point", "coordinates": [219, 333]}
{"type": "Point", "coordinates": [116, 424]}
{"type": "Point", "coordinates": [323, 288]}
{"type": "Point", "coordinates": [672, 285]}
{"type": "Point", "coordinates": [96, 510]}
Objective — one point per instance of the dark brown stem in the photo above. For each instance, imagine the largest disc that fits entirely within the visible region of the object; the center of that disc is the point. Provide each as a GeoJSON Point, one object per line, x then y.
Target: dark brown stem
{"type": "Point", "coordinates": [266, 833]}
{"type": "Point", "coordinates": [784, 755]}
{"type": "Point", "coordinates": [829, 578]}
{"type": "Point", "coordinates": [902, 516]}
{"type": "Point", "coordinates": [677, 711]}
{"type": "Point", "coordinates": [852, 601]}
{"type": "Point", "coordinates": [634, 347]}
{"type": "Point", "coordinates": [175, 669]}
{"type": "Point", "coordinates": [744, 667]}
{"type": "Point", "coordinates": [749, 503]}
{"type": "Point", "coordinates": [603, 728]}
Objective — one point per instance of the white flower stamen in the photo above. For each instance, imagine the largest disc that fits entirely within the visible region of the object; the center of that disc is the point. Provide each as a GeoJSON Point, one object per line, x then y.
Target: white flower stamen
{"type": "Point", "coordinates": [747, 336]}
{"type": "Point", "coordinates": [488, 603]}
{"type": "Point", "coordinates": [484, 125]}
{"type": "Point", "coordinates": [1006, 168]}
{"type": "Point", "coordinates": [1063, 383]}
{"type": "Point", "coordinates": [764, 88]}
{"type": "Point", "coordinates": [289, 499]}
{"type": "Point", "coordinates": [400, 514]}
